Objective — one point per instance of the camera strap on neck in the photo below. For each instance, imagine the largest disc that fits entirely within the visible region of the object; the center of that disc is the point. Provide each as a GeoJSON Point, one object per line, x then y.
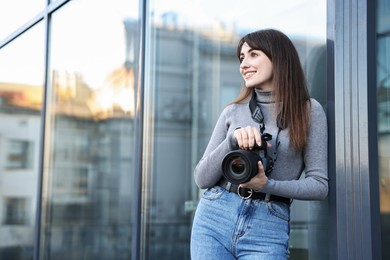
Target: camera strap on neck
{"type": "Point", "coordinates": [258, 117]}
{"type": "Point", "coordinates": [257, 113]}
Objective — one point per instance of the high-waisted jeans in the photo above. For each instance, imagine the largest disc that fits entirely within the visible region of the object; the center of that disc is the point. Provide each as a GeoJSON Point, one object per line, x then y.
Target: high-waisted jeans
{"type": "Point", "coordinates": [227, 227]}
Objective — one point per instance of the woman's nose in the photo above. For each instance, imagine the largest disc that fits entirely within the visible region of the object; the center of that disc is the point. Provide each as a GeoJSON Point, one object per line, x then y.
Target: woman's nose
{"type": "Point", "coordinates": [243, 64]}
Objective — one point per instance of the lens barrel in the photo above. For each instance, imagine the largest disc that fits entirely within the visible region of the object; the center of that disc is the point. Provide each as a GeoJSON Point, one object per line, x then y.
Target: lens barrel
{"type": "Point", "coordinates": [239, 166]}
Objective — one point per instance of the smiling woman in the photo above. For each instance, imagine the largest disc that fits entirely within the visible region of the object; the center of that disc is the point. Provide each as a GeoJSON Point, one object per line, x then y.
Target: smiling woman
{"type": "Point", "coordinates": [195, 75]}
{"type": "Point", "coordinates": [129, 104]}
{"type": "Point", "coordinates": [256, 68]}
{"type": "Point", "coordinates": [268, 107]}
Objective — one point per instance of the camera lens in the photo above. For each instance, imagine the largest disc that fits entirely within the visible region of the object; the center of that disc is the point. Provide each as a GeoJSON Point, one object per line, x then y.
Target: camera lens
{"type": "Point", "coordinates": [237, 165]}
{"type": "Point", "coordinates": [240, 166]}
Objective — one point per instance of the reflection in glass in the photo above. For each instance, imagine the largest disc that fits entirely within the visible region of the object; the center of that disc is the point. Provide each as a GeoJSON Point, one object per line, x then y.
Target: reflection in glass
{"type": "Point", "coordinates": [90, 132]}
{"type": "Point", "coordinates": [21, 91]}
{"type": "Point", "coordinates": [192, 73]}
{"type": "Point", "coordinates": [383, 112]}
{"type": "Point", "coordinates": [14, 14]}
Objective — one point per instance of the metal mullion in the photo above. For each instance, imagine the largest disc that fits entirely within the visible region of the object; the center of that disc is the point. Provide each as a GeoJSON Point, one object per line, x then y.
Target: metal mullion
{"type": "Point", "coordinates": [55, 5]}
{"type": "Point", "coordinates": [49, 8]}
{"type": "Point", "coordinates": [42, 179]}
{"type": "Point", "coordinates": [38, 218]}
{"type": "Point", "coordinates": [36, 19]}
{"type": "Point", "coordinates": [136, 243]}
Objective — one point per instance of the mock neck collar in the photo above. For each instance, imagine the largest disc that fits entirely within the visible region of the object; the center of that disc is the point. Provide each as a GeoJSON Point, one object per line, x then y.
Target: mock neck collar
{"type": "Point", "coordinates": [264, 96]}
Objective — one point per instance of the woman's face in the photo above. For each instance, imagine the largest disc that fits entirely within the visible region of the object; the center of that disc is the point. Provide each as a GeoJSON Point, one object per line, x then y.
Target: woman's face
{"type": "Point", "coordinates": [256, 68]}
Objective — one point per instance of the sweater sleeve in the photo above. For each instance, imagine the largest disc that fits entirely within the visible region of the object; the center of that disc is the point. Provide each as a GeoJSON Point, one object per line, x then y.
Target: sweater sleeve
{"type": "Point", "coordinates": [209, 171]}
{"type": "Point", "coordinates": [314, 186]}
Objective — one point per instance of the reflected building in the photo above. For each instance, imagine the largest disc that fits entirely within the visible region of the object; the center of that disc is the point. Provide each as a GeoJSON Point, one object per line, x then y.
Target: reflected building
{"type": "Point", "coordinates": [102, 149]}
{"type": "Point", "coordinates": [90, 143]}
{"type": "Point", "coordinates": [90, 161]}
{"type": "Point", "coordinates": [20, 114]}
{"type": "Point", "coordinates": [384, 158]}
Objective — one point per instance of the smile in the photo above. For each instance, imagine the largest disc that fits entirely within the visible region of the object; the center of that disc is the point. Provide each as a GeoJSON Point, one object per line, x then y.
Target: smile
{"type": "Point", "coordinates": [249, 74]}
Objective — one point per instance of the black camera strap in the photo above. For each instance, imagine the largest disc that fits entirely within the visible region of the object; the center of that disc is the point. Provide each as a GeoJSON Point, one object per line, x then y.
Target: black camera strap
{"type": "Point", "coordinates": [257, 113]}
{"type": "Point", "coordinates": [258, 117]}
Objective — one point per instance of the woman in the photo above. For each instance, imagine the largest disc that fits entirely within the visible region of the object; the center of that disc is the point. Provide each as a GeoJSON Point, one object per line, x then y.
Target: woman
{"type": "Point", "coordinates": [250, 220]}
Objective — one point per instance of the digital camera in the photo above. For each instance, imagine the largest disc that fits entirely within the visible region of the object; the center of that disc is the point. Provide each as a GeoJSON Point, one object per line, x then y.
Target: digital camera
{"type": "Point", "coordinates": [239, 166]}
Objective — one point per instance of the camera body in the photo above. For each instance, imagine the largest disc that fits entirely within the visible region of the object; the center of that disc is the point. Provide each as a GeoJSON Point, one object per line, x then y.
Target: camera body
{"type": "Point", "coordinates": [239, 166]}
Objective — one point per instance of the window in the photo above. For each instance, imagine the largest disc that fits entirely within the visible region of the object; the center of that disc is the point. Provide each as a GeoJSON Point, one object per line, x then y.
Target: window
{"type": "Point", "coordinates": [19, 155]}
{"type": "Point", "coordinates": [12, 15]}
{"type": "Point", "coordinates": [90, 131]}
{"type": "Point", "coordinates": [21, 94]}
{"type": "Point", "coordinates": [383, 112]}
{"type": "Point", "coordinates": [191, 74]}
{"type": "Point", "coordinates": [16, 211]}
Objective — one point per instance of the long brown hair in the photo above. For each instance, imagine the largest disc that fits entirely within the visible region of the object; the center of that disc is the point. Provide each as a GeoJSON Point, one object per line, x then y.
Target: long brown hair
{"type": "Point", "coordinates": [290, 87]}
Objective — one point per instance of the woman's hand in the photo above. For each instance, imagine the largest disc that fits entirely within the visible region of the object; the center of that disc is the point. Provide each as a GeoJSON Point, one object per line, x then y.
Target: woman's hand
{"type": "Point", "coordinates": [258, 181]}
{"type": "Point", "coordinates": [247, 137]}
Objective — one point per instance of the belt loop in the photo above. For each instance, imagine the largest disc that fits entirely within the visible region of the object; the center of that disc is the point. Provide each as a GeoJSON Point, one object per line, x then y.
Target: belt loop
{"type": "Point", "coordinates": [228, 186]}
{"type": "Point", "coordinates": [267, 197]}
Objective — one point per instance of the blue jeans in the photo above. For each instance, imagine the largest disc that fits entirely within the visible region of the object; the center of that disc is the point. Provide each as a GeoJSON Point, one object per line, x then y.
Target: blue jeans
{"type": "Point", "coordinates": [227, 227]}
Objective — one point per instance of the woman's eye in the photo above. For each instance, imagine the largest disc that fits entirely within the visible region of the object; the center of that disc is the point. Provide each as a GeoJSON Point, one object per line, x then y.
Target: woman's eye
{"type": "Point", "coordinates": [253, 54]}
{"type": "Point", "coordinates": [241, 59]}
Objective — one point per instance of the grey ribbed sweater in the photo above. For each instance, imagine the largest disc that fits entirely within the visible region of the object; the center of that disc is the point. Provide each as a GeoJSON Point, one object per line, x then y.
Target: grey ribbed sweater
{"type": "Point", "coordinates": [285, 179]}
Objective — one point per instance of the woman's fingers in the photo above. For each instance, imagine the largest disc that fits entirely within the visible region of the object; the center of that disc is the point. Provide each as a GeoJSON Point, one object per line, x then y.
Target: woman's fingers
{"type": "Point", "coordinates": [247, 137]}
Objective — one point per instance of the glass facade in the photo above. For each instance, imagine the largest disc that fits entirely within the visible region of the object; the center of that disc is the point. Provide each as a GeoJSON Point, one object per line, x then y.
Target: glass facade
{"type": "Point", "coordinates": [89, 138]}
{"type": "Point", "coordinates": [107, 106]}
{"type": "Point", "coordinates": [12, 17]}
{"type": "Point", "coordinates": [193, 74]}
{"type": "Point", "coordinates": [383, 110]}
{"type": "Point", "coordinates": [21, 103]}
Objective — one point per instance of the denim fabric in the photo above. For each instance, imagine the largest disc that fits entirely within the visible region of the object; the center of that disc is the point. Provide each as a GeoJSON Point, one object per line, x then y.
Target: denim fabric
{"type": "Point", "coordinates": [227, 227]}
